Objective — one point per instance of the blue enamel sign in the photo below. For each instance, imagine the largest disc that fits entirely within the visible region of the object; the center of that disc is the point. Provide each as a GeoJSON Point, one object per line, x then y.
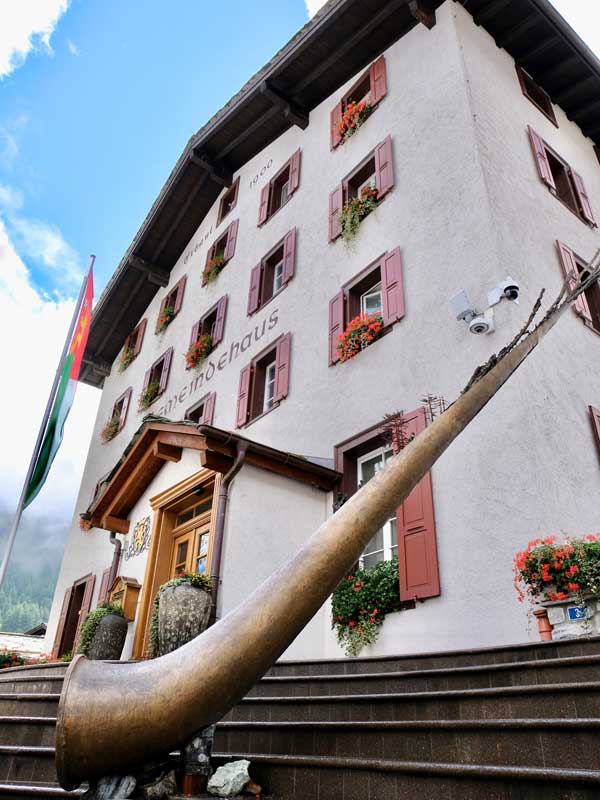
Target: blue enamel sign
{"type": "Point", "coordinates": [577, 612]}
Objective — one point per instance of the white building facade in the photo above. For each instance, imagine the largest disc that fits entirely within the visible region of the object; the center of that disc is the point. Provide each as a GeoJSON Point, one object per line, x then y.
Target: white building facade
{"type": "Point", "coordinates": [479, 176]}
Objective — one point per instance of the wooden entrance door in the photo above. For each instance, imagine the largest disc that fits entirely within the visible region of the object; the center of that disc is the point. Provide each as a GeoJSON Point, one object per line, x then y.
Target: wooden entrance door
{"type": "Point", "coordinates": [190, 550]}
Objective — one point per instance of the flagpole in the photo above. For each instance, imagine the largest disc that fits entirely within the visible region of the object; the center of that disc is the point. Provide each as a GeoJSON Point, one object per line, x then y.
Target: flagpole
{"type": "Point", "coordinates": [36, 450]}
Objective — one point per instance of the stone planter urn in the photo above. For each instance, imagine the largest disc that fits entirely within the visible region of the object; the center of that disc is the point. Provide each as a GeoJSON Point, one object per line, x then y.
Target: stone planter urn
{"type": "Point", "coordinates": [183, 613]}
{"type": "Point", "coordinates": [109, 638]}
{"type": "Point", "coordinates": [573, 617]}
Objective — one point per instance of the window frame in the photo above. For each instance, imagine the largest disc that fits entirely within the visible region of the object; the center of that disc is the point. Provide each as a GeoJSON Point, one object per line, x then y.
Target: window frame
{"type": "Point", "coordinates": [125, 400]}
{"type": "Point", "coordinates": [257, 298]}
{"type": "Point", "coordinates": [524, 76]}
{"type": "Point", "coordinates": [168, 354]}
{"type": "Point", "coordinates": [389, 550]}
{"type": "Point", "coordinates": [375, 72]}
{"type": "Point", "coordinates": [230, 233]}
{"type": "Point", "coordinates": [137, 334]}
{"type": "Point", "coordinates": [267, 189]}
{"type": "Point", "coordinates": [207, 401]}
{"type": "Point", "coordinates": [233, 189]}
{"type": "Point", "coordinates": [257, 381]}
{"type": "Point", "coordinates": [177, 294]}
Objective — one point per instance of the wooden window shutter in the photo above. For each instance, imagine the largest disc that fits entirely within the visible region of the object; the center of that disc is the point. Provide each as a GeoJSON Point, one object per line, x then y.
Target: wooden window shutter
{"type": "Point", "coordinates": [147, 378]}
{"type": "Point", "coordinates": [335, 117]}
{"type": "Point", "coordinates": [336, 201]}
{"type": "Point", "coordinates": [86, 604]}
{"type": "Point", "coordinates": [195, 334]}
{"type": "Point", "coordinates": [164, 375]}
{"type": "Point", "coordinates": [392, 287]}
{"type": "Point", "coordinates": [232, 233]}
{"type": "Point", "coordinates": [209, 409]}
{"type": "Point", "coordinates": [294, 180]}
{"type": "Point", "coordinates": [384, 167]}
{"type": "Point", "coordinates": [582, 196]}
{"type": "Point", "coordinates": [104, 587]}
{"type": "Point", "coordinates": [378, 79]}
{"type": "Point", "coordinates": [282, 367]}
{"type": "Point", "coordinates": [125, 408]}
{"type": "Point", "coordinates": [254, 291]}
{"type": "Point", "coordinates": [336, 325]}
{"type": "Point", "coordinates": [243, 403]}
{"type": "Point", "coordinates": [263, 209]}
{"type": "Point", "coordinates": [62, 620]}
{"type": "Point", "coordinates": [209, 255]}
{"type": "Point", "coordinates": [141, 330]}
{"type": "Point", "coordinates": [541, 159]}
{"type": "Point", "coordinates": [163, 303]}
{"type": "Point", "coordinates": [570, 271]}
{"type": "Point", "coordinates": [595, 415]}
{"type": "Point", "coordinates": [289, 254]}
{"type": "Point", "coordinates": [180, 288]}
{"type": "Point", "coordinates": [415, 524]}
{"type": "Point", "coordinates": [219, 326]}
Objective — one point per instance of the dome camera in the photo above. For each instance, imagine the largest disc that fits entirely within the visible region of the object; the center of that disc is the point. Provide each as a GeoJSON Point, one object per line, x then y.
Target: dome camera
{"type": "Point", "coordinates": [479, 325]}
{"type": "Point", "coordinates": [511, 291]}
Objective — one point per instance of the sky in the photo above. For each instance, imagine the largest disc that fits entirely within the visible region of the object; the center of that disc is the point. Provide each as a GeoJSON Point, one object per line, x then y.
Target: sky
{"type": "Point", "coordinates": [98, 98]}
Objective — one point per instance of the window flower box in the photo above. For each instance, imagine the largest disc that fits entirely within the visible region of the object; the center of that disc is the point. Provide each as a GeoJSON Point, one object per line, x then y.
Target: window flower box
{"type": "Point", "coordinates": [166, 316]}
{"type": "Point", "coordinates": [355, 115]}
{"type": "Point", "coordinates": [127, 356]}
{"type": "Point", "coordinates": [362, 331]}
{"type": "Point", "coordinates": [110, 430]}
{"type": "Point", "coordinates": [198, 351]}
{"type": "Point", "coordinates": [149, 395]}
{"type": "Point", "coordinates": [355, 210]}
{"type": "Point", "coordinates": [214, 267]}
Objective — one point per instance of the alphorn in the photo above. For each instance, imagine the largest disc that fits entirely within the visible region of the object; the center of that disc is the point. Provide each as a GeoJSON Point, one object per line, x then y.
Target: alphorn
{"type": "Point", "coordinates": [114, 717]}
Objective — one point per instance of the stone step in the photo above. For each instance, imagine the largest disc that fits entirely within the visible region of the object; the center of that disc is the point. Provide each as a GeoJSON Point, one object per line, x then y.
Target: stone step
{"type": "Point", "coordinates": [328, 778]}
{"type": "Point", "coordinates": [455, 658]}
{"type": "Point", "coordinates": [568, 744]}
{"type": "Point", "coordinates": [34, 684]}
{"type": "Point", "coordinates": [21, 789]}
{"type": "Point", "coordinates": [27, 764]}
{"type": "Point", "coordinates": [522, 673]}
{"type": "Point", "coordinates": [564, 700]}
{"type": "Point", "coordinates": [55, 668]}
{"type": "Point", "coordinates": [21, 730]}
{"type": "Point", "coordinates": [13, 704]}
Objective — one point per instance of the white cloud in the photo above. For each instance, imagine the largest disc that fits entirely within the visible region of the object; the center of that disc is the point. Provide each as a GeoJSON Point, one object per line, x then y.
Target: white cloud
{"type": "Point", "coordinates": [26, 25]}
{"type": "Point", "coordinates": [10, 199]}
{"type": "Point", "coordinates": [73, 49]}
{"type": "Point", "coordinates": [44, 243]}
{"type": "Point", "coordinates": [312, 6]}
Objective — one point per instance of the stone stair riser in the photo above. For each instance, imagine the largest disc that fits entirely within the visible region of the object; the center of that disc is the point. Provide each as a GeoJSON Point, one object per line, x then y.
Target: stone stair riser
{"type": "Point", "coordinates": [28, 734]}
{"type": "Point", "coordinates": [43, 685]}
{"type": "Point", "coordinates": [28, 769]}
{"type": "Point", "coordinates": [18, 706]}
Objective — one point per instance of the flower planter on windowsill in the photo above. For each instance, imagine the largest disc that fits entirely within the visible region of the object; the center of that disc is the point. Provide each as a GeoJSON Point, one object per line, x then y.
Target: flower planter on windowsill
{"type": "Point", "coordinates": [110, 430]}
{"type": "Point", "coordinates": [214, 268]}
{"type": "Point", "coordinates": [126, 358]}
{"type": "Point", "coordinates": [354, 116]}
{"type": "Point", "coordinates": [355, 210]}
{"type": "Point", "coordinates": [165, 319]}
{"type": "Point", "coordinates": [361, 332]}
{"type": "Point", "coordinates": [198, 351]}
{"type": "Point", "coordinates": [148, 396]}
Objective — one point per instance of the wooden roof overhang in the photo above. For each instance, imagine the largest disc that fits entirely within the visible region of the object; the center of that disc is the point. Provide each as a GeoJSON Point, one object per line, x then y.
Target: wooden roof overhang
{"type": "Point", "coordinates": [338, 42]}
{"type": "Point", "coordinates": [158, 442]}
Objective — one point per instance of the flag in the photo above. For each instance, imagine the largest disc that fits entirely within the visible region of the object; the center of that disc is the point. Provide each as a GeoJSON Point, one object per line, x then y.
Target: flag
{"type": "Point", "coordinates": [63, 399]}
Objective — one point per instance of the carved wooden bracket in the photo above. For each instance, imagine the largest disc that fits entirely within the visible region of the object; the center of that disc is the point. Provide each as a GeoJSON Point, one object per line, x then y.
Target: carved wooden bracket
{"type": "Point", "coordinates": [155, 274]}
{"type": "Point", "coordinates": [217, 172]}
{"type": "Point", "coordinates": [291, 111]}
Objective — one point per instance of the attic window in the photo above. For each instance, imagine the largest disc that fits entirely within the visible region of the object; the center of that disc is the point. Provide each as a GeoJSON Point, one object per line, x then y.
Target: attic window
{"type": "Point", "coordinates": [536, 94]}
{"type": "Point", "coordinates": [228, 201]}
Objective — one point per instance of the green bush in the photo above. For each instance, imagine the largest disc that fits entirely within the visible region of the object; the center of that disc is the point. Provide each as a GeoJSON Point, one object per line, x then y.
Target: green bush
{"type": "Point", "coordinates": [90, 626]}
{"type": "Point", "coordinates": [10, 659]}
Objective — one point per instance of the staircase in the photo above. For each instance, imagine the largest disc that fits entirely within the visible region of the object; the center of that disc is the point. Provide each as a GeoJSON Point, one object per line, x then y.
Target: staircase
{"type": "Point", "coordinates": [510, 723]}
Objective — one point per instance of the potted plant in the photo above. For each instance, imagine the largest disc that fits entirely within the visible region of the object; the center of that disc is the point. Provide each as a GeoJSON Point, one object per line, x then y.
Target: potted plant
{"type": "Point", "coordinates": [362, 331]}
{"type": "Point", "coordinates": [10, 659]}
{"type": "Point", "coordinates": [85, 522]}
{"type": "Point", "coordinates": [165, 318]}
{"type": "Point", "coordinates": [360, 603]}
{"type": "Point", "coordinates": [198, 351]}
{"type": "Point", "coordinates": [355, 210]}
{"type": "Point", "coordinates": [110, 430]}
{"type": "Point", "coordinates": [103, 633]}
{"type": "Point", "coordinates": [180, 613]}
{"type": "Point", "coordinates": [214, 267]}
{"type": "Point", "coordinates": [126, 357]}
{"type": "Point", "coordinates": [355, 114]}
{"type": "Point", "coordinates": [149, 395]}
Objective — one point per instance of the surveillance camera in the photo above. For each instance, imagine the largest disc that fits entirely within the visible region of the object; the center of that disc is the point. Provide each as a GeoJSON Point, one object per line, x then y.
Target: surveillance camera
{"type": "Point", "coordinates": [479, 325]}
{"type": "Point", "coordinates": [507, 289]}
{"type": "Point", "coordinates": [511, 291]}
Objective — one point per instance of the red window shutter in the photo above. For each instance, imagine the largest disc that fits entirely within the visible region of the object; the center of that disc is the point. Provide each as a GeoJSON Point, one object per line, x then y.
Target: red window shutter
{"type": "Point", "coordinates": [335, 117]}
{"type": "Point", "coordinates": [582, 195]}
{"type": "Point", "coordinates": [294, 181]}
{"type": "Point", "coordinates": [125, 408]}
{"type": "Point", "coordinates": [595, 415]}
{"type": "Point", "coordinates": [104, 587]}
{"type": "Point", "coordinates": [232, 233]}
{"type": "Point", "coordinates": [392, 287]}
{"type": "Point", "coordinates": [415, 524]}
{"type": "Point", "coordinates": [164, 375]}
{"type": "Point", "coordinates": [195, 334]}
{"type": "Point", "coordinates": [86, 604]}
{"type": "Point", "coordinates": [539, 151]}
{"type": "Point", "coordinates": [378, 79]}
{"type": "Point", "coordinates": [163, 303]}
{"type": "Point", "coordinates": [147, 379]}
{"type": "Point", "coordinates": [289, 254]}
{"type": "Point", "coordinates": [179, 295]}
{"type": "Point", "coordinates": [384, 167]}
{"type": "Point", "coordinates": [219, 326]}
{"type": "Point", "coordinates": [209, 255]}
{"type": "Point", "coordinates": [141, 330]}
{"type": "Point", "coordinates": [570, 271]}
{"type": "Point", "coordinates": [336, 325]}
{"type": "Point", "coordinates": [243, 403]}
{"type": "Point", "coordinates": [336, 201]}
{"type": "Point", "coordinates": [254, 292]}
{"type": "Point", "coordinates": [62, 621]}
{"type": "Point", "coordinates": [209, 409]}
{"type": "Point", "coordinates": [282, 367]}
{"type": "Point", "coordinates": [263, 209]}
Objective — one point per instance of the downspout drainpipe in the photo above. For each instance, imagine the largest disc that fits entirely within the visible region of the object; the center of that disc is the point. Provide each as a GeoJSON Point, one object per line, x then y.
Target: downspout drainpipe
{"type": "Point", "coordinates": [242, 447]}
{"type": "Point", "coordinates": [114, 567]}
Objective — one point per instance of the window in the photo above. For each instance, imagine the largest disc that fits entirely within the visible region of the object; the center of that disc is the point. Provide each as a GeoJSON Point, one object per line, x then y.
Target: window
{"type": "Point", "coordinates": [410, 533]}
{"type": "Point", "coordinates": [191, 542]}
{"type": "Point", "coordinates": [170, 306]}
{"type": "Point", "coordinates": [273, 272]}
{"type": "Point", "coordinates": [228, 201]}
{"type": "Point", "coordinates": [536, 94]}
{"type": "Point", "coordinates": [561, 179]}
{"type": "Point", "coordinates": [279, 190]}
{"type": "Point", "coordinates": [203, 411]}
{"type": "Point", "coordinates": [156, 379]}
{"type": "Point", "coordinates": [211, 324]}
{"type": "Point", "coordinates": [132, 345]}
{"type": "Point", "coordinates": [371, 87]}
{"type": "Point", "coordinates": [220, 253]}
{"type": "Point", "coordinates": [378, 289]}
{"type": "Point", "coordinates": [376, 170]}
{"type": "Point", "coordinates": [587, 305]}
{"type": "Point", "coordinates": [264, 382]}
{"type": "Point", "coordinates": [118, 417]}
